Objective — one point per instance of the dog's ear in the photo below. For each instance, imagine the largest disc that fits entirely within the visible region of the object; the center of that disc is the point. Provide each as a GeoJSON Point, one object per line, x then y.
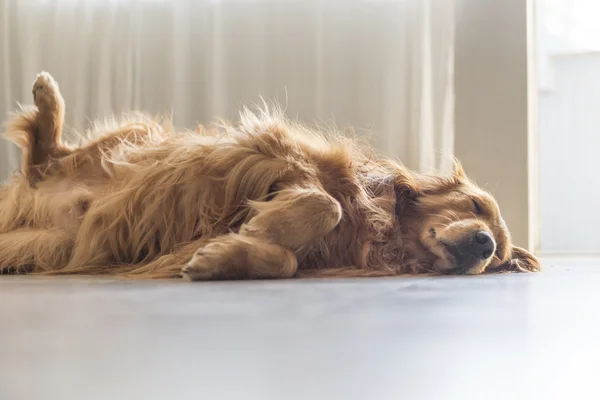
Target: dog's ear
{"type": "Point", "coordinates": [520, 261]}
{"type": "Point", "coordinates": [406, 187]}
{"type": "Point", "coordinates": [395, 190]}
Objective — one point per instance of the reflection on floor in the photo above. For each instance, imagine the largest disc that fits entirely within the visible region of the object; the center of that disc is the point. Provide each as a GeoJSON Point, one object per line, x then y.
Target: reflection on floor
{"type": "Point", "coordinates": [519, 336]}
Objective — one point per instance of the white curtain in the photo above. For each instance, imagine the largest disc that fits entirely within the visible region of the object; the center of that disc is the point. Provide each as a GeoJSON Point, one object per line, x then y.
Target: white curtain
{"type": "Point", "coordinates": [380, 66]}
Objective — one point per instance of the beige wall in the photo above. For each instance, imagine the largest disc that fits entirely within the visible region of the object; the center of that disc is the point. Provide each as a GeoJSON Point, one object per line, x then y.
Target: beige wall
{"type": "Point", "coordinates": [494, 103]}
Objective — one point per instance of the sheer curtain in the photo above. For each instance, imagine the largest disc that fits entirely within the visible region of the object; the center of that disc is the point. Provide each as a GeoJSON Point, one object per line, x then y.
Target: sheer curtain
{"type": "Point", "coordinates": [380, 66]}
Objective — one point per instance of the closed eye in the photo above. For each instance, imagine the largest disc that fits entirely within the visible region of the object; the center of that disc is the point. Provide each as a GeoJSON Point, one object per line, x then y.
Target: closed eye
{"type": "Point", "coordinates": [272, 192]}
{"type": "Point", "coordinates": [477, 206]}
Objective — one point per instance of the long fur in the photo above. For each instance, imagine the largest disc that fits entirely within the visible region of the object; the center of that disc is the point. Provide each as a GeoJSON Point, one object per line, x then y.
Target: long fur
{"type": "Point", "coordinates": [261, 198]}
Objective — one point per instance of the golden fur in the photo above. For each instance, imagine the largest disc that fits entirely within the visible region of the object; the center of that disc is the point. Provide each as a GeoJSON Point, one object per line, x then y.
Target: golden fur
{"type": "Point", "coordinates": [266, 198]}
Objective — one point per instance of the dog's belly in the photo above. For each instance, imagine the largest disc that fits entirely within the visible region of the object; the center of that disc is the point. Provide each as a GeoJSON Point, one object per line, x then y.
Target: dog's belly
{"type": "Point", "coordinates": [53, 205]}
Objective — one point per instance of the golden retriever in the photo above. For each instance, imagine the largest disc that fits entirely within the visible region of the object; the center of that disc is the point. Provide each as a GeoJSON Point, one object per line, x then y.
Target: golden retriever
{"type": "Point", "coordinates": [267, 198]}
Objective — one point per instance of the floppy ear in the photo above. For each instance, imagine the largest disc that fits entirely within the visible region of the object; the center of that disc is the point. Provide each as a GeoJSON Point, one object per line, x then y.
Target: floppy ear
{"type": "Point", "coordinates": [396, 190]}
{"type": "Point", "coordinates": [521, 261]}
{"type": "Point", "coordinates": [406, 187]}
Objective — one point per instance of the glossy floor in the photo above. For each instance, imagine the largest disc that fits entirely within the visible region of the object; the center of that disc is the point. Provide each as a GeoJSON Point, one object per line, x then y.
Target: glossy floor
{"type": "Point", "coordinates": [521, 336]}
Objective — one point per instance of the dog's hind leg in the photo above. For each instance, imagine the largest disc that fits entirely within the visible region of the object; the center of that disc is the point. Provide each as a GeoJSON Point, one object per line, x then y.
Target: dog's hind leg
{"type": "Point", "coordinates": [38, 131]}
{"type": "Point", "coordinates": [50, 119]}
{"type": "Point", "coordinates": [34, 250]}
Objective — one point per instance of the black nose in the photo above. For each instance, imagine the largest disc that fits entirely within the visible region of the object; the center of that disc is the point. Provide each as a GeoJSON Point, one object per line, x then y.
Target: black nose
{"type": "Point", "coordinates": [482, 245]}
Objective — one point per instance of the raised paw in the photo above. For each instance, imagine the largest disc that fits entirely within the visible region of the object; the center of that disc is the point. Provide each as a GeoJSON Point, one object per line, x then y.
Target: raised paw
{"type": "Point", "coordinates": [45, 92]}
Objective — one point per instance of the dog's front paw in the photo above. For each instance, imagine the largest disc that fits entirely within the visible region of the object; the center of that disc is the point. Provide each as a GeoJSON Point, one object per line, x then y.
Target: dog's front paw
{"type": "Point", "coordinates": [45, 91]}
{"type": "Point", "coordinates": [209, 262]}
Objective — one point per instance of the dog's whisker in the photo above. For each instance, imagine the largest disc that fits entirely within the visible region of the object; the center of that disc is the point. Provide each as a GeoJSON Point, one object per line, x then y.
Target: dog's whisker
{"type": "Point", "coordinates": [456, 217]}
{"type": "Point", "coordinates": [440, 216]}
{"type": "Point", "coordinates": [475, 216]}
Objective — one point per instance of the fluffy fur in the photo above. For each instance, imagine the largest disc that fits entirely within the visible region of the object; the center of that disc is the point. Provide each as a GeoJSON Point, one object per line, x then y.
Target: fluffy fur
{"type": "Point", "coordinates": [265, 198]}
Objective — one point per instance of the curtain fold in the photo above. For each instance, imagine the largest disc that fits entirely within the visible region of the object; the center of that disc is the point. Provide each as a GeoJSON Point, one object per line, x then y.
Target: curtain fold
{"type": "Point", "coordinates": [380, 66]}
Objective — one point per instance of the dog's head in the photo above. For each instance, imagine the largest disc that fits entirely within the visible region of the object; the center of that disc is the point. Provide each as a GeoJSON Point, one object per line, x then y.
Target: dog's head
{"type": "Point", "coordinates": [456, 227]}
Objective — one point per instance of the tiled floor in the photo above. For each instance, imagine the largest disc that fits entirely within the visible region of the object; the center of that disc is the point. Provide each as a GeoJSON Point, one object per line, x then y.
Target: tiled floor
{"type": "Point", "coordinates": [534, 336]}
